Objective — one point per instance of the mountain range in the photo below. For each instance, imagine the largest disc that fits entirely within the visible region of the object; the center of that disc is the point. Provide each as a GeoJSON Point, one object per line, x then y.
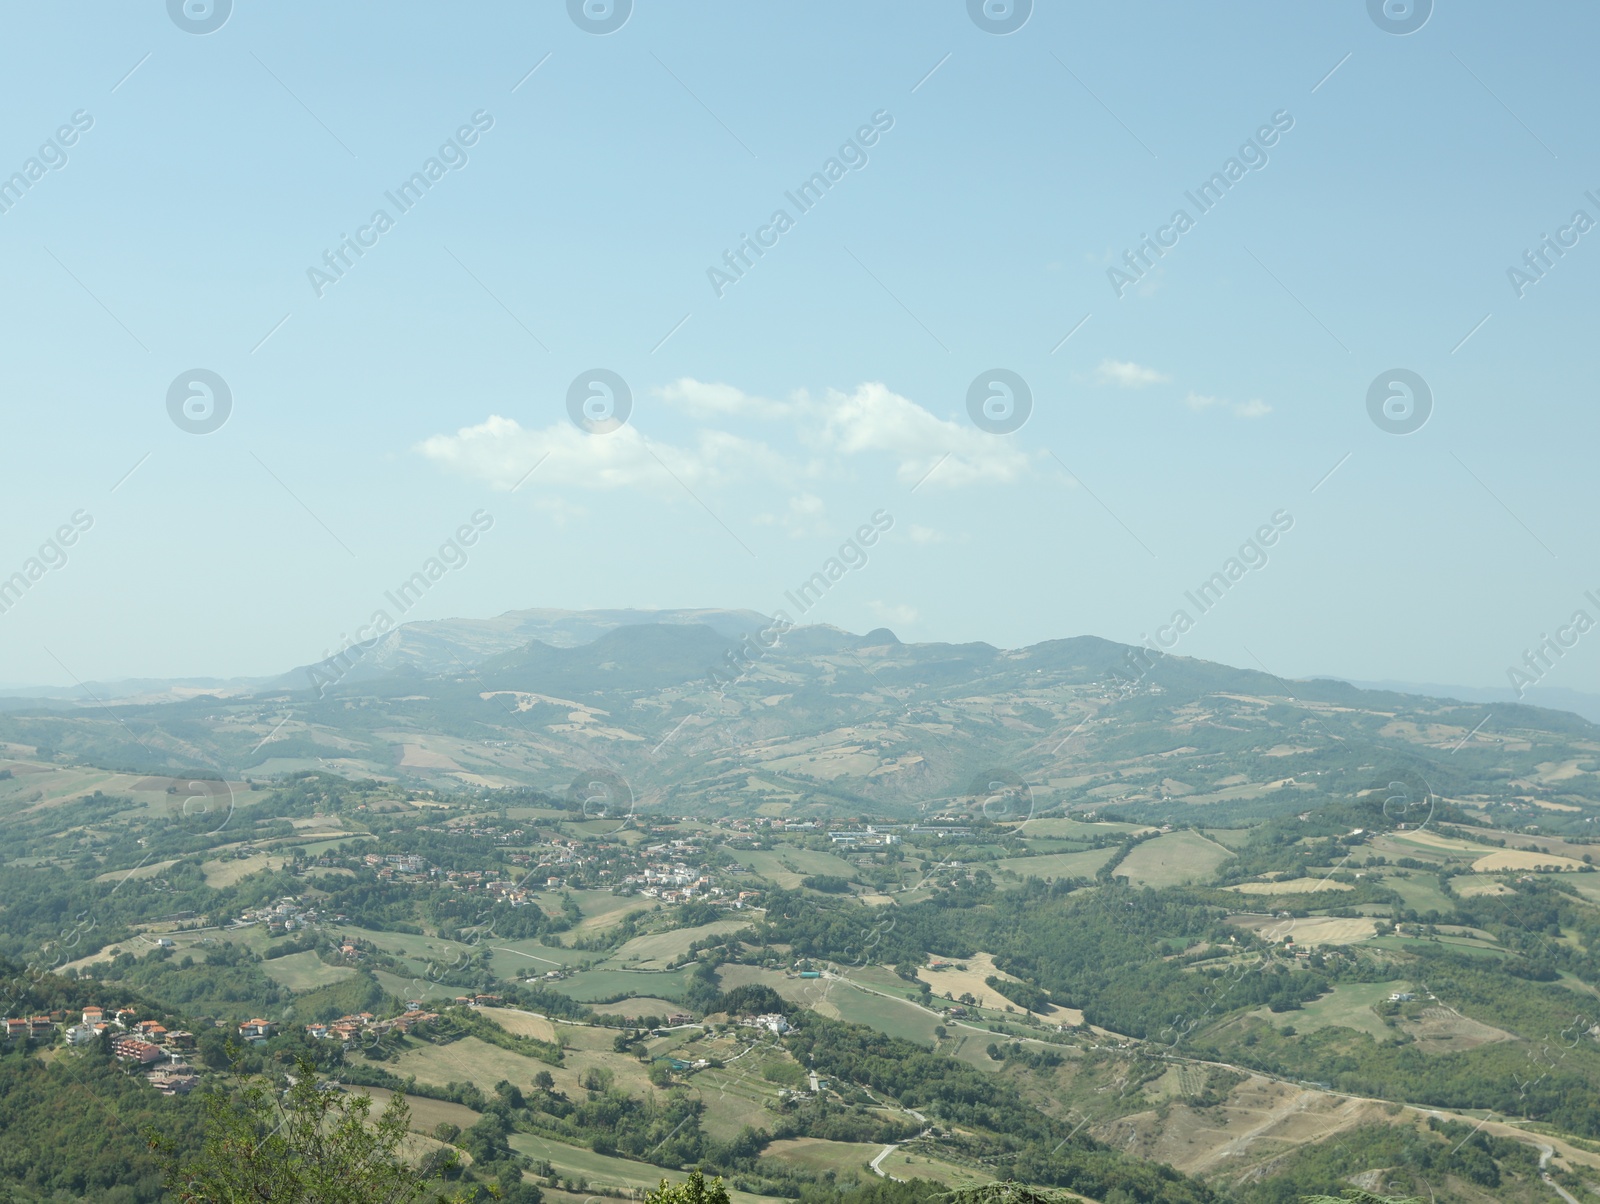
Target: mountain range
{"type": "Point", "coordinates": [694, 712]}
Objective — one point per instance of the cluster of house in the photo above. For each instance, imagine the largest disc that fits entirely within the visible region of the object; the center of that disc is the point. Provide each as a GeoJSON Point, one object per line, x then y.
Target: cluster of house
{"type": "Point", "coordinates": [864, 838]}
{"type": "Point", "coordinates": [671, 883]}
{"type": "Point", "coordinates": [774, 824]}
{"type": "Point", "coordinates": [492, 832]}
{"type": "Point", "coordinates": [144, 1044]}
{"type": "Point", "coordinates": [773, 1022]}
{"type": "Point", "coordinates": [520, 892]}
{"type": "Point", "coordinates": [38, 1028]}
{"type": "Point", "coordinates": [286, 915]}
{"type": "Point", "coordinates": [347, 1028]}
{"type": "Point", "coordinates": [395, 863]}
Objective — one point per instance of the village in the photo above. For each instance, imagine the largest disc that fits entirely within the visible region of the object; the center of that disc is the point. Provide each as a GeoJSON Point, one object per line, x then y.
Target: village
{"type": "Point", "coordinates": [143, 1045]}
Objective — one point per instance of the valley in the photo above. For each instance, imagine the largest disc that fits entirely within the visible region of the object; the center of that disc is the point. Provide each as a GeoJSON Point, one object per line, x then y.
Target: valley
{"type": "Point", "coordinates": [878, 913]}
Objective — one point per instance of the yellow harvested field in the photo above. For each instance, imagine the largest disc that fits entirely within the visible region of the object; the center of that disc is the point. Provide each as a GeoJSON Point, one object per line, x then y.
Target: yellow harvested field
{"type": "Point", "coordinates": [1442, 1029]}
{"type": "Point", "coordinates": [1471, 890]}
{"type": "Point", "coordinates": [1433, 840]}
{"type": "Point", "coordinates": [1523, 859]}
{"type": "Point", "coordinates": [467, 1060]}
{"type": "Point", "coordinates": [1311, 930]}
{"type": "Point", "coordinates": [1295, 886]}
{"type": "Point", "coordinates": [425, 1113]}
{"type": "Point", "coordinates": [144, 871]}
{"type": "Point", "coordinates": [415, 756]}
{"type": "Point", "coordinates": [639, 1005]}
{"type": "Point", "coordinates": [229, 870]}
{"type": "Point", "coordinates": [971, 982]}
{"type": "Point", "coordinates": [1173, 859]}
{"type": "Point", "coordinates": [523, 1024]}
{"type": "Point", "coordinates": [817, 1154]}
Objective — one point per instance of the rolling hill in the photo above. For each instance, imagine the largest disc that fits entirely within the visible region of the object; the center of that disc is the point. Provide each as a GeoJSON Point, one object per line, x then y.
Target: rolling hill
{"type": "Point", "coordinates": [696, 714]}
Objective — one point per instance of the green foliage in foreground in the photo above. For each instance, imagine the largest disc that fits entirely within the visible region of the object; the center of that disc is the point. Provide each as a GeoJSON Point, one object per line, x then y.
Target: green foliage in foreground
{"type": "Point", "coordinates": [1006, 1192]}
{"type": "Point", "coordinates": [305, 1145]}
{"type": "Point", "coordinates": [72, 1129]}
{"type": "Point", "coordinates": [693, 1190]}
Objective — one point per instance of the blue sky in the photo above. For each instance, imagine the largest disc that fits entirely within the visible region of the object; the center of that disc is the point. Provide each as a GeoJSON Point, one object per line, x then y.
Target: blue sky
{"type": "Point", "coordinates": [829, 382]}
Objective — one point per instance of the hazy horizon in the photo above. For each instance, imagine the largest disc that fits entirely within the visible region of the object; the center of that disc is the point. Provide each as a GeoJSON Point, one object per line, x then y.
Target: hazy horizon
{"type": "Point", "coordinates": [968, 212]}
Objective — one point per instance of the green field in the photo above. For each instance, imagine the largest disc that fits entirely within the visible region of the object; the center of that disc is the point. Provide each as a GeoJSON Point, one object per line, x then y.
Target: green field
{"type": "Point", "coordinates": [602, 983]}
{"type": "Point", "coordinates": [1420, 890]}
{"type": "Point", "coordinates": [1049, 844]}
{"type": "Point", "coordinates": [425, 1113]}
{"type": "Point", "coordinates": [1232, 838]}
{"type": "Point", "coordinates": [787, 865]}
{"type": "Point", "coordinates": [1056, 865]}
{"type": "Point", "coordinates": [601, 1170]}
{"type": "Point", "coordinates": [880, 978]}
{"type": "Point", "coordinates": [304, 972]}
{"type": "Point", "coordinates": [601, 909]}
{"type": "Point", "coordinates": [660, 949]}
{"type": "Point", "coordinates": [531, 958]}
{"type": "Point", "coordinates": [254, 937]}
{"type": "Point", "coordinates": [415, 987]}
{"type": "Point", "coordinates": [1348, 1005]}
{"type": "Point", "coordinates": [844, 1158]}
{"type": "Point", "coordinates": [896, 1017]}
{"type": "Point", "coordinates": [735, 975]}
{"type": "Point", "coordinates": [1172, 860]}
{"type": "Point", "coordinates": [644, 1005]}
{"type": "Point", "coordinates": [910, 1164]}
{"type": "Point", "coordinates": [315, 848]}
{"type": "Point", "coordinates": [737, 1092]}
{"type": "Point", "coordinates": [507, 959]}
{"type": "Point", "coordinates": [1409, 944]}
{"type": "Point", "coordinates": [423, 949]}
{"type": "Point", "coordinates": [467, 1060]}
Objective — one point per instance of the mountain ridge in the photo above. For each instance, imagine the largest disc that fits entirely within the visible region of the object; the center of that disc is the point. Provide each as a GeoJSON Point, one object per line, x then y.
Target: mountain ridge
{"type": "Point", "coordinates": [709, 718]}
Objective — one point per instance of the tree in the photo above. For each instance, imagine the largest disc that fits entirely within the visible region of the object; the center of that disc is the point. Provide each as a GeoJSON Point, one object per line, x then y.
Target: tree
{"type": "Point", "coordinates": [305, 1145]}
{"type": "Point", "coordinates": [544, 1080]}
{"type": "Point", "coordinates": [693, 1190]}
{"type": "Point", "coordinates": [1355, 1195]}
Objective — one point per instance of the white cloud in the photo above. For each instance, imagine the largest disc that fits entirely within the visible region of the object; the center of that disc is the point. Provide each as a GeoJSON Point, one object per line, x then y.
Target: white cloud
{"type": "Point", "coordinates": [1242, 409]}
{"type": "Point", "coordinates": [701, 400]}
{"type": "Point", "coordinates": [873, 419]}
{"type": "Point", "coordinates": [925, 535]}
{"type": "Point", "coordinates": [1126, 374]}
{"type": "Point", "coordinates": [870, 420]}
{"type": "Point", "coordinates": [504, 454]}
